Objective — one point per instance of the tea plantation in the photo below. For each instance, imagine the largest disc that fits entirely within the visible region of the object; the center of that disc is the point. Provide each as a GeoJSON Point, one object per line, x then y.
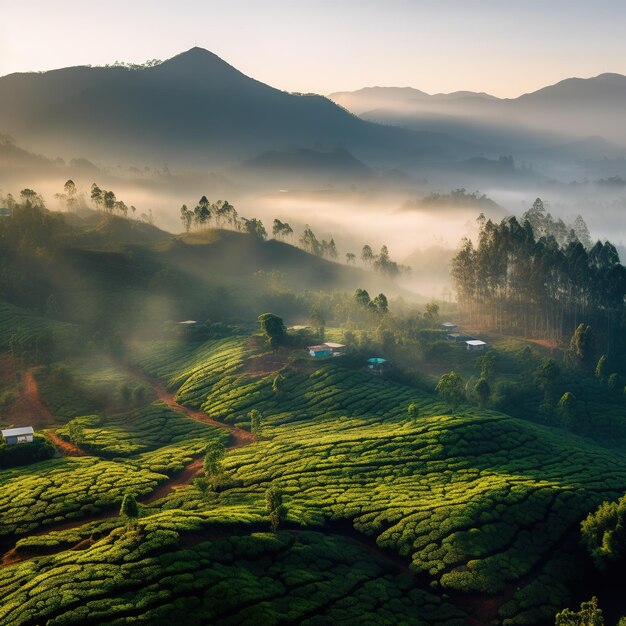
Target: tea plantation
{"type": "Point", "coordinates": [447, 516]}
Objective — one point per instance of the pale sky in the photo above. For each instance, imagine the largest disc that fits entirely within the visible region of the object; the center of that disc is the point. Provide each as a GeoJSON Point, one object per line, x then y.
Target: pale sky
{"type": "Point", "coordinates": [504, 47]}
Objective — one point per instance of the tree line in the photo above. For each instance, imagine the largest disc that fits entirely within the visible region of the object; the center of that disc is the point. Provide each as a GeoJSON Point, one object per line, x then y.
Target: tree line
{"type": "Point", "coordinates": [526, 278]}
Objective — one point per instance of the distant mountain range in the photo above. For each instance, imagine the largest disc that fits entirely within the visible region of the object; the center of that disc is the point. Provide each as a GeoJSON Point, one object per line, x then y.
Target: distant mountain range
{"type": "Point", "coordinates": [192, 110]}
{"type": "Point", "coordinates": [574, 108]}
{"type": "Point", "coordinates": [196, 113]}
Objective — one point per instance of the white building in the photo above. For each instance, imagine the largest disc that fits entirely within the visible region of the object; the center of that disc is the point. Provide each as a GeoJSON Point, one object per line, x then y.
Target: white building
{"type": "Point", "coordinates": [475, 344]}
{"type": "Point", "coordinates": [18, 435]}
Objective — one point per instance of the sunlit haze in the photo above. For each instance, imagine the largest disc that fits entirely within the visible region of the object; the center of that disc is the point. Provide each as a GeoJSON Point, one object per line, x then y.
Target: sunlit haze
{"type": "Point", "coordinates": [503, 48]}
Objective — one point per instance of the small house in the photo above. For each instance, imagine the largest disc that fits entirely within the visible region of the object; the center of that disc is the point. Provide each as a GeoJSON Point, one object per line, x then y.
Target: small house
{"type": "Point", "coordinates": [376, 364]}
{"type": "Point", "coordinates": [475, 344]}
{"type": "Point", "coordinates": [459, 338]}
{"type": "Point", "coordinates": [187, 324]}
{"type": "Point", "coordinates": [318, 352]}
{"type": "Point", "coordinates": [336, 348]}
{"type": "Point", "coordinates": [449, 327]}
{"type": "Point", "coordinates": [18, 435]}
{"type": "Point", "coordinates": [4, 212]}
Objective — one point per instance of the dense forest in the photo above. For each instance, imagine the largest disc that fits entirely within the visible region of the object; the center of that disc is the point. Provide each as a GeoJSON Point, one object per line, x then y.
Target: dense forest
{"type": "Point", "coordinates": [538, 278]}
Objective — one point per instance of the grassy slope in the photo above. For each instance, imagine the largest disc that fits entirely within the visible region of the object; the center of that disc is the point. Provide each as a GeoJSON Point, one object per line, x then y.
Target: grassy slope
{"type": "Point", "coordinates": [477, 502]}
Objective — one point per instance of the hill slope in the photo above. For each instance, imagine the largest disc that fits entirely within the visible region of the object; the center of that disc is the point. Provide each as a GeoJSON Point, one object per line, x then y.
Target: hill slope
{"type": "Point", "coordinates": [195, 103]}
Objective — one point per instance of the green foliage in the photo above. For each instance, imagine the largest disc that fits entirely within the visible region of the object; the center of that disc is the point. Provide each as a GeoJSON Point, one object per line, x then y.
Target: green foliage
{"type": "Point", "coordinates": [451, 388]}
{"type": "Point", "coordinates": [589, 615]}
{"type": "Point", "coordinates": [412, 410]}
{"type": "Point", "coordinates": [604, 533]}
{"type": "Point", "coordinates": [141, 430]}
{"type": "Point", "coordinates": [129, 508]}
{"type": "Point", "coordinates": [482, 391]}
{"type": "Point", "coordinates": [15, 455]}
{"type": "Point", "coordinates": [568, 410]}
{"type": "Point", "coordinates": [273, 328]}
{"type": "Point", "coordinates": [601, 367]}
{"type": "Point", "coordinates": [274, 506]}
{"type": "Point", "coordinates": [256, 420]}
{"type": "Point", "coordinates": [212, 463]}
{"type": "Point", "coordinates": [581, 345]}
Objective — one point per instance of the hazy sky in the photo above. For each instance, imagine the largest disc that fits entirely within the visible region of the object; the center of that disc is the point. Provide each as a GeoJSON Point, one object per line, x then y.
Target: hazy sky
{"type": "Point", "coordinates": [504, 47]}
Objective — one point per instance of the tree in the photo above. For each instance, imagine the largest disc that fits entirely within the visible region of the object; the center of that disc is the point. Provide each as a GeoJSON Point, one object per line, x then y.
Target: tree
{"type": "Point", "coordinates": [589, 615]}
{"type": "Point", "coordinates": [601, 367]}
{"type": "Point", "coordinates": [309, 241]}
{"type": "Point", "coordinates": [273, 328]}
{"type": "Point", "coordinates": [431, 313]}
{"type": "Point", "coordinates": [350, 258]}
{"type": "Point", "coordinates": [202, 212]}
{"type": "Point", "coordinates": [367, 256]}
{"type": "Point", "coordinates": [381, 304]}
{"type": "Point", "coordinates": [486, 363]}
{"type": "Point", "coordinates": [275, 508]}
{"type": "Point", "coordinates": [186, 217]}
{"type": "Point", "coordinates": [212, 463]}
{"type": "Point", "coordinates": [331, 249]}
{"type": "Point", "coordinates": [582, 232]}
{"type": "Point", "coordinates": [255, 227]}
{"type": "Point", "coordinates": [281, 229]}
{"type": "Point", "coordinates": [361, 297]}
{"type": "Point", "coordinates": [31, 199]}
{"type": "Point", "coordinates": [75, 431]}
{"type": "Point", "coordinates": [130, 509]}
{"type": "Point", "coordinates": [108, 201]}
{"type": "Point", "coordinates": [482, 391]}
{"type": "Point", "coordinates": [256, 421]}
{"type": "Point", "coordinates": [580, 346]}
{"type": "Point", "coordinates": [567, 410]}
{"type": "Point", "coordinates": [603, 533]}
{"type": "Point", "coordinates": [451, 388]}
{"type": "Point", "coordinates": [547, 372]}
{"type": "Point", "coordinates": [69, 197]}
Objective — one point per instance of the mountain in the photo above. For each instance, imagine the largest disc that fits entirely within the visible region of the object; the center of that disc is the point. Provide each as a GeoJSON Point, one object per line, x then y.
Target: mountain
{"type": "Point", "coordinates": [573, 108]}
{"type": "Point", "coordinates": [308, 169]}
{"type": "Point", "coordinates": [194, 109]}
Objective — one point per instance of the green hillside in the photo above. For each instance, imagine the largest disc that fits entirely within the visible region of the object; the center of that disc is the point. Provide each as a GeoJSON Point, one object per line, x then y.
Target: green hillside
{"type": "Point", "coordinates": [421, 520]}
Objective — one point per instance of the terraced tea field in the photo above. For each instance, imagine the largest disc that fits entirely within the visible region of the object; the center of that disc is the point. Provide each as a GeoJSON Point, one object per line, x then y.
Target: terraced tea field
{"type": "Point", "coordinates": [450, 517]}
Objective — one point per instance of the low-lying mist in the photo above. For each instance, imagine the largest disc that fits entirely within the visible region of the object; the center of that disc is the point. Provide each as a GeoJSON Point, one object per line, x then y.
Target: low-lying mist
{"type": "Point", "coordinates": [420, 226]}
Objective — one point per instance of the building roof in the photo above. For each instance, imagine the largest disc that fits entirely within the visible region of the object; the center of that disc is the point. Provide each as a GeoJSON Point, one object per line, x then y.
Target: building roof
{"type": "Point", "coordinates": [475, 342]}
{"type": "Point", "coordinates": [322, 348]}
{"type": "Point", "coordinates": [376, 360]}
{"type": "Point", "coordinates": [16, 432]}
{"type": "Point", "coordinates": [187, 322]}
{"type": "Point", "coordinates": [449, 325]}
{"type": "Point", "coordinates": [335, 346]}
{"type": "Point", "coordinates": [298, 327]}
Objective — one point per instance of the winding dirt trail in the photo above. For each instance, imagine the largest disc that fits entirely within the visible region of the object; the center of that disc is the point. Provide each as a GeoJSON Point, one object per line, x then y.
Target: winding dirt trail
{"type": "Point", "coordinates": [239, 438]}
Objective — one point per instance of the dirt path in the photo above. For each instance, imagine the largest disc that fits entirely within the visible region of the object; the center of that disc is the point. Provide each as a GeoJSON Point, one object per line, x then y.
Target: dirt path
{"type": "Point", "coordinates": [35, 411]}
{"type": "Point", "coordinates": [66, 448]}
{"type": "Point", "coordinates": [239, 437]}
